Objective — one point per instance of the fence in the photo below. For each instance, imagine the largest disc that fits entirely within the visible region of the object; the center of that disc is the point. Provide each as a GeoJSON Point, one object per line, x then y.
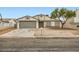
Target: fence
{"type": "Point", "coordinates": [7, 25]}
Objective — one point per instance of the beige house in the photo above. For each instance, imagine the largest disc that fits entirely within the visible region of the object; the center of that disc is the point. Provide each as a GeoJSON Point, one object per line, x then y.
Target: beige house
{"type": "Point", "coordinates": [36, 21]}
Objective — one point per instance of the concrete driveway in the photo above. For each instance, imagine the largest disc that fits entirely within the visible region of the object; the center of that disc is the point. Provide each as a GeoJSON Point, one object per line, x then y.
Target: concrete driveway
{"type": "Point", "coordinates": [19, 33]}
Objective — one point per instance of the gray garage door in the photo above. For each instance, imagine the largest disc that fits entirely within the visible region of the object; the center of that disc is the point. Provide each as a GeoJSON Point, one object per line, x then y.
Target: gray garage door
{"type": "Point", "coordinates": [28, 24]}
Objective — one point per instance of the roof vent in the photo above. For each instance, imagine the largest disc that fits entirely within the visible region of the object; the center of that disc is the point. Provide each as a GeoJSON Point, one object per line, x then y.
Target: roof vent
{"type": "Point", "coordinates": [27, 17]}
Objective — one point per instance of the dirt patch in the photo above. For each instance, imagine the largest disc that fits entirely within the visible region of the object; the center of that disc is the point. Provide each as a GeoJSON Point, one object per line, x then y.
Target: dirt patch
{"type": "Point", "coordinates": [58, 28]}
{"type": "Point", "coordinates": [76, 32]}
{"type": "Point", "coordinates": [5, 30]}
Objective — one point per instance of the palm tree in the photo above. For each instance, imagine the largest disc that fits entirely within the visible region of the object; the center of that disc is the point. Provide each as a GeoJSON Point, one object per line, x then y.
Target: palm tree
{"type": "Point", "coordinates": [62, 15]}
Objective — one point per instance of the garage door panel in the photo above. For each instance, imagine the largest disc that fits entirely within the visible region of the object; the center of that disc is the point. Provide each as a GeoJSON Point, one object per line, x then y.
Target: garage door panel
{"type": "Point", "coordinates": [27, 24]}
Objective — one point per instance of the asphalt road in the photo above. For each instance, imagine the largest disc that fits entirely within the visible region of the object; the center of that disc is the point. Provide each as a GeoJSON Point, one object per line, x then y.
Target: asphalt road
{"type": "Point", "coordinates": [39, 44]}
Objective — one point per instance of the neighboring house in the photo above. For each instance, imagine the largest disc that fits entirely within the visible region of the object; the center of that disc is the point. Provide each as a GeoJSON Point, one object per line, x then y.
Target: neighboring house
{"type": "Point", "coordinates": [74, 21]}
{"type": "Point", "coordinates": [37, 21]}
{"type": "Point", "coordinates": [7, 22]}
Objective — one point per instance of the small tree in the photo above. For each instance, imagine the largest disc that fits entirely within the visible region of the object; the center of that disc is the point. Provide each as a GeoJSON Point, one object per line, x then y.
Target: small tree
{"type": "Point", "coordinates": [62, 15]}
{"type": "Point", "coordinates": [0, 17]}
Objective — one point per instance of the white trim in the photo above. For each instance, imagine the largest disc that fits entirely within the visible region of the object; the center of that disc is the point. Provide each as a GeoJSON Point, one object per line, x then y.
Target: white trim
{"type": "Point", "coordinates": [17, 25]}
{"type": "Point", "coordinates": [37, 24]}
{"type": "Point", "coordinates": [44, 24]}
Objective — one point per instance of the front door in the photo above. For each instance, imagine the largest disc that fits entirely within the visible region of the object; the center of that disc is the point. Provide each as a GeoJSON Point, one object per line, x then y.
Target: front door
{"type": "Point", "coordinates": [41, 24]}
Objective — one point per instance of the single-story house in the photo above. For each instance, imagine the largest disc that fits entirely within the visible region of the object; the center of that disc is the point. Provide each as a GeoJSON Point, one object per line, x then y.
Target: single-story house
{"type": "Point", "coordinates": [36, 21]}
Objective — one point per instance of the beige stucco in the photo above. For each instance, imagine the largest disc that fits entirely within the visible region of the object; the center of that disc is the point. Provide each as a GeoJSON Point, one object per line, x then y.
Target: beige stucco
{"type": "Point", "coordinates": [45, 19]}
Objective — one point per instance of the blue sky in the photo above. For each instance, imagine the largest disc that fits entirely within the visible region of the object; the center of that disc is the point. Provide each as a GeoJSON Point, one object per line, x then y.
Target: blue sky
{"type": "Point", "coordinates": [16, 12]}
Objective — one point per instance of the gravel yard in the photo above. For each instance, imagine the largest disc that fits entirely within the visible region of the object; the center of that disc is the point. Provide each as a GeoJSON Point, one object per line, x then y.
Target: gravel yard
{"type": "Point", "coordinates": [39, 32]}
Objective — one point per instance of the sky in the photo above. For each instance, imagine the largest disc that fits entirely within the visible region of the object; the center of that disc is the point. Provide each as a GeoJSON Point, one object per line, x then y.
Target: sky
{"type": "Point", "coordinates": [16, 12]}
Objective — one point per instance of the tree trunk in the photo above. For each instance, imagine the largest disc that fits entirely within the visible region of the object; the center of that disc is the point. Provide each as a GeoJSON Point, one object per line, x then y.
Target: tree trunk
{"type": "Point", "coordinates": [62, 25]}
